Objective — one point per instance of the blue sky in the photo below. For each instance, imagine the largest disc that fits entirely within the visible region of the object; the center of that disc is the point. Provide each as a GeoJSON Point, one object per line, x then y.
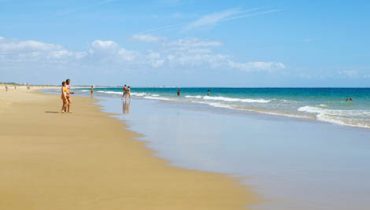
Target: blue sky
{"type": "Point", "coordinates": [186, 43]}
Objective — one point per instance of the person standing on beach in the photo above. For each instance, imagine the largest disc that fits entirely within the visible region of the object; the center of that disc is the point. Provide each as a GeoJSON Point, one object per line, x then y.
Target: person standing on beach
{"type": "Point", "coordinates": [69, 92]}
{"type": "Point", "coordinates": [178, 92]}
{"type": "Point", "coordinates": [6, 88]}
{"type": "Point", "coordinates": [63, 96]}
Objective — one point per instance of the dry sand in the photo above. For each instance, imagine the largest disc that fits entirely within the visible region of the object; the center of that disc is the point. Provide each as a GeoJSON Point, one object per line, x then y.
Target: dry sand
{"type": "Point", "coordinates": [87, 160]}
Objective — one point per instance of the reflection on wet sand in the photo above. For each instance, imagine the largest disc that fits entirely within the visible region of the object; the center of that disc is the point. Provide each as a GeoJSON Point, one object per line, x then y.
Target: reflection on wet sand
{"type": "Point", "coordinates": [126, 107]}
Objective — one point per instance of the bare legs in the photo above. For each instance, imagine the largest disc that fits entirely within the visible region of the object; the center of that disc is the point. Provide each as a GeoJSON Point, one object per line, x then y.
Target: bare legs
{"type": "Point", "coordinates": [68, 109]}
{"type": "Point", "coordinates": [64, 106]}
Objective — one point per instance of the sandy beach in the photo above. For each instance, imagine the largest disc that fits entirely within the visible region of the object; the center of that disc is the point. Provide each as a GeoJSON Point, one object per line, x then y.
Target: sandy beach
{"type": "Point", "coordinates": [89, 160]}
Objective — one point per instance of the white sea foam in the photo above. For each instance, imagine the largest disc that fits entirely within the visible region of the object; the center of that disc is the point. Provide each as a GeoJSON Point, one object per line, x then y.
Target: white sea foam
{"type": "Point", "coordinates": [110, 92]}
{"type": "Point", "coordinates": [357, 118]}
{"type": "Point", "coordinates": [229, 99]}
{"type": "Point", "coordinates": [335, 112]}
{"type": "Point", "coordinates": [157, 98]}
{"type": "Point", "coordinates": [197, 97]}
{"type": "Point", "coordinates": [219, 105]}
{"type": "Point", "coordinates": [138, 94]}
{"type": "Point", "coordinates": [250, 109]}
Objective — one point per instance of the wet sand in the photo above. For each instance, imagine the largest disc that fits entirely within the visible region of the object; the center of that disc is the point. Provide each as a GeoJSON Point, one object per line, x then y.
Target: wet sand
{"type": "Point", "coordinates": [88, 160]}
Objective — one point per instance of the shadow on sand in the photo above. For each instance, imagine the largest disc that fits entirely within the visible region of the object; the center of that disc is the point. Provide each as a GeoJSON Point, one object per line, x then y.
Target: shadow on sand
{"type": "Point", "coordinates": [52, 112]}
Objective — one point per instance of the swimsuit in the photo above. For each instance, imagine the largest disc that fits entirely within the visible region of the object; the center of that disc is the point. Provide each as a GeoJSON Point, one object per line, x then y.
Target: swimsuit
{"type": "Point", "coordinates": [68, 87]}
{"type": "Point", "coordinates": [64, 90]}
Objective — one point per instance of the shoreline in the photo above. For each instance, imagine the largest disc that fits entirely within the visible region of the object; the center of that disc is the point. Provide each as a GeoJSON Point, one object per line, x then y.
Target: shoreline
{"type": "Point", "coordinates": [90, 160]}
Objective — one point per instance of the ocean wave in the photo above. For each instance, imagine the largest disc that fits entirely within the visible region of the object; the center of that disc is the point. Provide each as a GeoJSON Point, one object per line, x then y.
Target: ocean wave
{"type": "Point", "coordinates": [335, 112]}
{"type": "Point", "coordinates": [157, 98]}
{"type": "Point", "coordinates": [355, 118]}
{"type": "Point", "coordinates": [109, 92]}
{"type": "Point", "coordinates": [229, 99]}
{"type": "Point", "coordinates": [217, 105]}
{"type": "Point", "coordinates": [120, 93]}
{"type": "Point", "coordinates": [252, 109]}
{"type": "Point", "coordinates": [197, 97]}
{"type": "Point", "coordinates": [138, 94]}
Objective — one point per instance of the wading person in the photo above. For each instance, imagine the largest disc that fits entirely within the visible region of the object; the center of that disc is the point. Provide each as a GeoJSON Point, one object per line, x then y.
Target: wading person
{"type": "Point", "coordinates": [92, 90]}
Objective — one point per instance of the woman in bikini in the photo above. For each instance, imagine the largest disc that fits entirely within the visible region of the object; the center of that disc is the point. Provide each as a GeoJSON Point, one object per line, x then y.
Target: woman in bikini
{"type": "Point", "coordinates": [63, 96]}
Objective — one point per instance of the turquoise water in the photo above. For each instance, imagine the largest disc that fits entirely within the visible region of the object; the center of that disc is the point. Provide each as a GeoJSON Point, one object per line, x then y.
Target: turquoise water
{"type": "Point", "coordinates": [322, 104]}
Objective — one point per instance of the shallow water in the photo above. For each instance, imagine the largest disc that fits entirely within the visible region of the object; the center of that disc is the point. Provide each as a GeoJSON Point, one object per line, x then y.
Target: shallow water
{"type": "Point", "coordinates": [291, 163]}
{"type": "Point", "coordinates": [344, 106]}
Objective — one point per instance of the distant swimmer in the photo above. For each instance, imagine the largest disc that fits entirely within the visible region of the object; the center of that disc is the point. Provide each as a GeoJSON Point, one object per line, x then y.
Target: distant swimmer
{"type": "Point", "coordinates": [208, 92]}
{"type": "Point", "coordinates": [349, 99]}
{"type": "Point", "coordinates": [178, 92]}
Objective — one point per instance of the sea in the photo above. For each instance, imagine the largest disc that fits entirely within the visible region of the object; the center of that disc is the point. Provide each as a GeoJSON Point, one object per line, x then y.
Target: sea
{"type": "Point", "coordinates": [296, 148]}
{"type": "Point", "coordinates": [344, 106]}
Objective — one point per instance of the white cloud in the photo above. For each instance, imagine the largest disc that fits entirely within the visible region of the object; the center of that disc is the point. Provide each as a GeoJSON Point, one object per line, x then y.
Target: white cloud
{"type": "Point", "coordinates": [354, 73]}
{"type": "Point", "coordinates": [101, 48]}
{"type": "Point", "coordinates": [155, 59]}
{"type": "Point", "coordinates": [127, 55]}
{"type": "Point", "coordinates": [213, 19]}
{"type": "Point", "coordinates": [349, 73]}
{"type": "Point", "coordinates": [103, 45]}
{"type": "Point", "coordinates": [29, 45]}
{"type": "Point", "coordinates": [30, 50]}
{"type": "Point", "coordinates": [257, 66]}
{"type": "Point", "coordinates": [193, 43]}
{"type": "Point", "coordinates": [110, 51]}
{"type": "Point", "coordinates": [170, 54]}
{"type": "Point", "coordinates": [196, 53]}
{"type": "Point", "coordinates": [146, 38]}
